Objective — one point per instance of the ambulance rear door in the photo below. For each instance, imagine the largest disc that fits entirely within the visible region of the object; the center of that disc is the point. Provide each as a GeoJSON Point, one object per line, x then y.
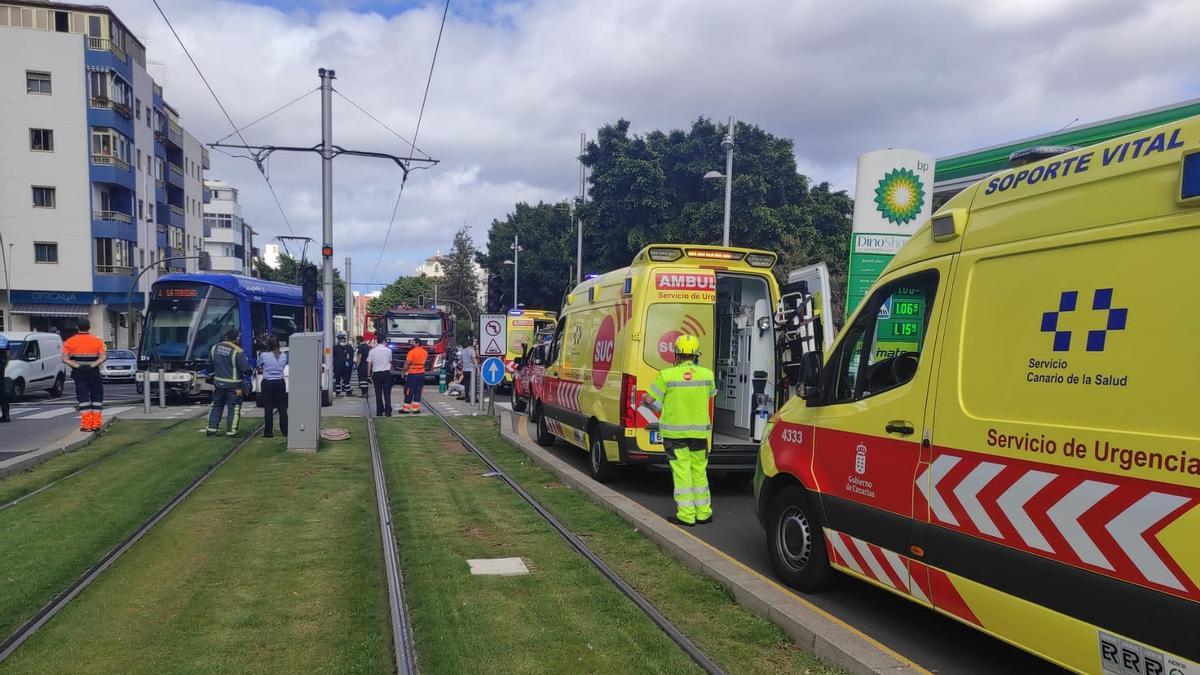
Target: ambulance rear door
{"type": "Point", "coordinates": [871, 421]}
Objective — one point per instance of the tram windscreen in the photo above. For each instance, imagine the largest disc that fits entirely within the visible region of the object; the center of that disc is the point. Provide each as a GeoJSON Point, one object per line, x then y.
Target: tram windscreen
{"type": "Point", "coordinates": [185, 321]}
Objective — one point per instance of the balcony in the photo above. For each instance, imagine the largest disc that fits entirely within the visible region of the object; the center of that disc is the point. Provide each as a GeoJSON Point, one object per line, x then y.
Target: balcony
{"type": "Point", "coordinates": [161, 238]}
{"type": "Point", "coordinates": [105, 103]}
{"type": "Point", "coordinates": [175, 174]}
{"type": "Point", "coordinates": [112, 216]}
{"type": "Point", "coordinates": [110, 160]}
{"type": "Point", "coordinates": [114, 269]}
{"type": "Point", "coordinates": [177, 217]}
{"type": "Point", "coordinates": [105, 45]}
{"type": "Point", "coordinates": [175, 134]}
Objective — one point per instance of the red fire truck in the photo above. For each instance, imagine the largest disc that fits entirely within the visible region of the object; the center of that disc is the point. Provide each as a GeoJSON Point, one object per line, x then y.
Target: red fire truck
{"type": "Point", "coordinates": [399, 325]}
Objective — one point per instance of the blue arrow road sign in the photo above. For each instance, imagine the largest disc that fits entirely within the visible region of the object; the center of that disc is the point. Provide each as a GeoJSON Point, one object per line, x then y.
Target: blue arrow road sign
{"type": "Point", "coordinates": [493, 371]}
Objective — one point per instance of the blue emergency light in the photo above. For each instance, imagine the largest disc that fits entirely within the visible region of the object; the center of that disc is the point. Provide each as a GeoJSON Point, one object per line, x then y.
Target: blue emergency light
{"type": "Point", "coordinates": [1189, 183]}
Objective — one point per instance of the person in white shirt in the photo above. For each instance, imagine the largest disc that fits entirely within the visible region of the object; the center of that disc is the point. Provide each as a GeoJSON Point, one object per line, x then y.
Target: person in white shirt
{"type": "Point", "coordinates": [379, 368]}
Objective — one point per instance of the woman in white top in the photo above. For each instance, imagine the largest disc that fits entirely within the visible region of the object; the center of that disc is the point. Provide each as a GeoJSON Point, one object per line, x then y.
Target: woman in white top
{"type": "Point", "coordinates": [274, 390]}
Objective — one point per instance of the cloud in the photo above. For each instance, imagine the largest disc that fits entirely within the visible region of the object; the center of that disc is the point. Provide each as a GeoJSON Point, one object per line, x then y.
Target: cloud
{"type": "Point", "coordinates": [516, 82]}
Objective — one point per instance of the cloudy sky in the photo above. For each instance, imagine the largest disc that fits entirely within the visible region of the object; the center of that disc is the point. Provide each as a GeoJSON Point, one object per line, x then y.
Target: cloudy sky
{"type": "Point", "coordinates": [516, 82]}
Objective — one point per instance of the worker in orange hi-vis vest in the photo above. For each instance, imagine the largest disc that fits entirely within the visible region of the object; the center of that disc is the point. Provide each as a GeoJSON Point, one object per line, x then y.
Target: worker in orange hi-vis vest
{"type": "Point", "coordinates": [414, 377]}
{"type": "Point", "coordinates": [84, 353]}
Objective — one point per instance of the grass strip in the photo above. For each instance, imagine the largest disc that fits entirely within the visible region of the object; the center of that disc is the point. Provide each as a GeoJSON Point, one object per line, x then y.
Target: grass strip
{"type": "Point", "coordinates": [272, 566]}
{"type": "Point", "coordinates": [562, 617]}
{"type": "Point", "coordinates": [705, 611]}
{"type": "Point", "coordinates": [119, 435]}
{"type": "Point", "coordinates": [51, 538]}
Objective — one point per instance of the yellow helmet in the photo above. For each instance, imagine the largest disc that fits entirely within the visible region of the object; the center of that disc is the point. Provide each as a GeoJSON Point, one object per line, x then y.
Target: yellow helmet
{"type": "Point", "coordinates": [687, 345]}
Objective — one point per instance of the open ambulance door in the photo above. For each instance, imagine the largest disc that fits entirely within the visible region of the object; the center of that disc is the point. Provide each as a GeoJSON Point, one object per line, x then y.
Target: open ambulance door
{"type": "Point", "coordinates": [803, 324]}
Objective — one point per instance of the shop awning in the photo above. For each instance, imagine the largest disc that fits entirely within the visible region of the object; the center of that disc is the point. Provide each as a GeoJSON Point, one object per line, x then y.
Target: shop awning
{"type": "Point", "coordinates": [52, 310]}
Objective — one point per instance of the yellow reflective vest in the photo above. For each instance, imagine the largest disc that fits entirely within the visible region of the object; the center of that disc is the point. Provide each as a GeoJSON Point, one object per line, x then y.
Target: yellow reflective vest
{"type": "Point", "coordinates": [682, 395]}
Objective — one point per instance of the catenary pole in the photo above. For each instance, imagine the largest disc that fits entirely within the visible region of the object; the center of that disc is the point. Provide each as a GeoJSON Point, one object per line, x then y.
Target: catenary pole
{"type": "Point", "coordinates": [327, 77]}
{"type": "Point", "coordinates": [728, 145]}
{"type": "Point", "coordinates": [578, 217]}
{"type": "Point", "coordinates": [349, 304]}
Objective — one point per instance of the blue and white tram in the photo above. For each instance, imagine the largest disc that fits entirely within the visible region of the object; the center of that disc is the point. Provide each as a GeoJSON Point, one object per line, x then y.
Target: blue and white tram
{"type": "Point", "coordinates": [189, 313]}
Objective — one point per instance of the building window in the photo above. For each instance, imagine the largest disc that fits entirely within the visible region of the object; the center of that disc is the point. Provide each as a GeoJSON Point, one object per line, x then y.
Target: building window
{"type": "Point", "coordinates": [177, 238]}
{"type": "Point", "coordinates": [112, 256]}
{"type": "Point", "coordinates": [43, 197]}
{"type": "Point", "coordinates": [141, 209]}
{"type": "Point", "coordinates": [45, 252]}
{"type": "Point", "coordinates": [37, 82]}
{"type": "Point", "coordinates": [147, 117]}
{"type": "Point", "coordinates": [139, 157]}
{"type": "Point", "coordinates": [110, 147]}
{"type": "Point", "coordinates": [137, 107]}
{"type": "Point", "coordinates": [41, 140]}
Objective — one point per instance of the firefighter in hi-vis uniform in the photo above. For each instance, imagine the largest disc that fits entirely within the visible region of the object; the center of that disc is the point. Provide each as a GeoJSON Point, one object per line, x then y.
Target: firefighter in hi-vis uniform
{"type": "Point", "coordinates": [682, 396]}
{"type": "Point", "coordinates": [84, 353]}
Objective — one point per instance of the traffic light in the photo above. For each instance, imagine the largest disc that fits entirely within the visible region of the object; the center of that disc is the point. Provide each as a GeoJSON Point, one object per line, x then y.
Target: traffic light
{"type": "Point", "coordinates": [495, 294]}
{"type": "Point", "coordinates": [308, 285]}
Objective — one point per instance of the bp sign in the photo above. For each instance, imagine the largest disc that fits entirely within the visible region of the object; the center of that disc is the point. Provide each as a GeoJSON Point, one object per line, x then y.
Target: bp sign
{"type": "Point", "coordinates": [893, 197]}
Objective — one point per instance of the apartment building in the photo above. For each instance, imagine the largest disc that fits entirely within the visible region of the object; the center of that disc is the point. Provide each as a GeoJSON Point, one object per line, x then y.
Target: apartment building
{"type": "Point", "coordinates": [99, 182]}
{"type": "Point", "coordinates": [228, 240]}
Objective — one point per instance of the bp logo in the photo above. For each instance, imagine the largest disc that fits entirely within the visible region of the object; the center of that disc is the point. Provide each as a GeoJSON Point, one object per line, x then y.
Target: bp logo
{"type": "Point", "coordinates": [900, 196]}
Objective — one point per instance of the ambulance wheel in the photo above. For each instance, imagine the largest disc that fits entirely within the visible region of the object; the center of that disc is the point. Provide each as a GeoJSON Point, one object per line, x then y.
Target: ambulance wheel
{"type": "Point", "coordinates": [518, 404]}
{"type": "Point", "coordinates": [542, 433]}
{"type": "Point", "coordinates": [602, 471]}
{"type": "Point", "coordinates": [795, 541]}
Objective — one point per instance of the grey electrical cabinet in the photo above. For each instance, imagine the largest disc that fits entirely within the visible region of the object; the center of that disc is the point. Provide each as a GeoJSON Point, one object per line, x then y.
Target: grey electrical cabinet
{"type": "Point", "coordinates": [304, 391]}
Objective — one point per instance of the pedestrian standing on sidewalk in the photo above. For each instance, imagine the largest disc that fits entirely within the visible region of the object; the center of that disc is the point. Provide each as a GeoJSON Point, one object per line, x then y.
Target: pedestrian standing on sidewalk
{"type": "Point", "coordinates": [274, 389]}
{"type": "Point", "coordinates": [4, 385]}
{"type": "Point", "coordinates": [343, 366]}
{"type": "Point", "coordinates": [361, 353]}
{"type": "Point", "coordinates": [379, 368]}
{"type": "Point", "coordinates": [414, 376]}
{"type": "Point", "coordinates": [84, 353]}
{"type": "Point", "coordinates": [230, 368]}
{"type": "Point", "coordinates": [470, 366]}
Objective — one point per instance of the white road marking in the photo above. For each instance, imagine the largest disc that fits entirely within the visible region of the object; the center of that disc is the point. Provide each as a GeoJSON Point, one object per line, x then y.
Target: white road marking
{"type": "Point", "coordinates": [49, 414]}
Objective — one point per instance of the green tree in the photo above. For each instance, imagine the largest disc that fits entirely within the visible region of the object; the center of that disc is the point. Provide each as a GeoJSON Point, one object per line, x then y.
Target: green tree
{"type": "Point", "coordinates": [547, 237]}
{"type": "Point", "coordinates": [402, 291]}
{"type": "Point", "coordinates": [288, 272]}
{"type": "Point", "coordinates": [650, 189]}
{"type": "Point", "coordinates": [460, 284]}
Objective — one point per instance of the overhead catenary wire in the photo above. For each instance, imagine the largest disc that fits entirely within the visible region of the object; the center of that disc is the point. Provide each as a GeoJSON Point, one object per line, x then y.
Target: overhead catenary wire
{"type": "Point", "coordinates": [417, 132]}
{"type": "Point", "coordinates": [412, 146]}
{"type": "Point", "coordinates": [237, 132]}
{"type": "Point", "coordinates": [225, 112]}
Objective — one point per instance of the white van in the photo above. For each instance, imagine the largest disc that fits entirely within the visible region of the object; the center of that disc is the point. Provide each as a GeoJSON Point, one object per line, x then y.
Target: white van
{"type": "Point", "coordinates": [35, 363]}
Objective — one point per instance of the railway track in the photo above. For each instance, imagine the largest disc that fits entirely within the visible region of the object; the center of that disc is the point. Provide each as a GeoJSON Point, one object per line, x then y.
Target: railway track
{"type": "Point", "coordinates": [56, 604]}
{"type": "Point", "coordinates": [677, 636]}
{"type": "Point", "coordinates": [89, 465]}
{"type": "Point", "coordinates": [402, 638]}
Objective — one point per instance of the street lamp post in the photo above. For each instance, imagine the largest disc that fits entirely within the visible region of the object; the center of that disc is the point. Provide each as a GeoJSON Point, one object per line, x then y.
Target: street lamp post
{"type": "Point", "coordinates": [727, 146]}
{"type": "Point", "coordinates": [516, 263]}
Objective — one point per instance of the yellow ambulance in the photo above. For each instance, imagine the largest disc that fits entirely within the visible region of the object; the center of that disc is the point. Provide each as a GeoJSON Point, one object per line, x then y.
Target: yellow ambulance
{"type": "Point", "coordinates": [523, 327]}
{"type": "Point", "coordinates": [1007, 431]}
{"type": "Point", "coordinates": [618, 330]}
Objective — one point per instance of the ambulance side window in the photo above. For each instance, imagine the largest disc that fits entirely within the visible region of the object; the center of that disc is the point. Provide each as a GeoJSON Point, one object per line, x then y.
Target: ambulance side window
{"type": "Point", "coordinates": [883, 348]}
{"type": "Point", "coordinates": [556, 345]}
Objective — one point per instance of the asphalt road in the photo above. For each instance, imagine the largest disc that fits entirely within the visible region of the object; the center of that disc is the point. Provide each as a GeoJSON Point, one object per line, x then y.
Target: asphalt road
{"type": "Point", "coordinates": [39, 420]}
{"type": "Point", "coordinates": [931, 640]}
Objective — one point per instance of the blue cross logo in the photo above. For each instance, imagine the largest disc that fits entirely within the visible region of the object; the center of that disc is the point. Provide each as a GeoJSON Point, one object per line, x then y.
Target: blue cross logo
{"type": "Point", "coordinates": [1101, 301]}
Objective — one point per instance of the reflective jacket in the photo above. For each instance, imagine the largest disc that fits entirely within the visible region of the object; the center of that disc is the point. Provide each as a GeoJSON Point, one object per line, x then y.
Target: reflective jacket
{"type": "Point", "coordinates": [229, 365]}
{"type": "Point", "coordinates": [682, 397]}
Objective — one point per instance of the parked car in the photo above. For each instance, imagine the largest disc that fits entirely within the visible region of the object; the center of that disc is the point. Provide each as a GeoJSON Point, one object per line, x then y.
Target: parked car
{"type": "Point", "coordinates": [527, 380]}
{"type": "Point", "coordinates": [120, 366]}
{"type": "Point", "coordinates": [35, 363]}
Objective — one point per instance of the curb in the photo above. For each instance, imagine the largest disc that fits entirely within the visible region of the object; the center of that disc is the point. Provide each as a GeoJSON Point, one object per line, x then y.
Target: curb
{"type": "Point", "coordinates": [812, 628]}
{"type": "Point", "coordinates": [72, 441]}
